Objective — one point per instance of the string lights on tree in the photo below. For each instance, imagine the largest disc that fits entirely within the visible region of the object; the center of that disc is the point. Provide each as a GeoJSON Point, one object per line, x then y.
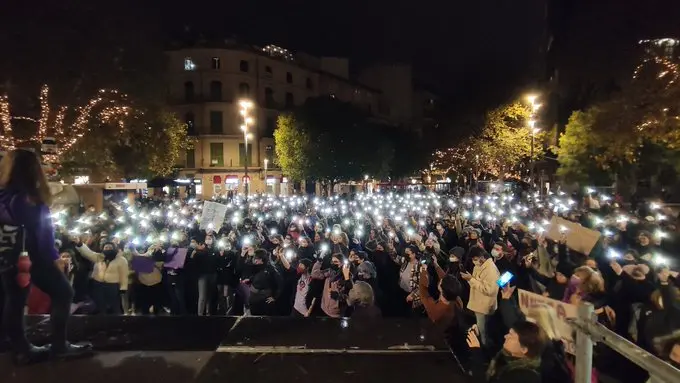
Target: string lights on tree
{"type": "Point", "coordinates": [6, 140]}
{"type": "Point", "coordinates": [107, 107]}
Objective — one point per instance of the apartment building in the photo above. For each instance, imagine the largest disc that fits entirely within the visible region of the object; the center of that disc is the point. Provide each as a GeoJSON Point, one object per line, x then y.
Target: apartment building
{"type": "Point", "coordinates": [205, 85]}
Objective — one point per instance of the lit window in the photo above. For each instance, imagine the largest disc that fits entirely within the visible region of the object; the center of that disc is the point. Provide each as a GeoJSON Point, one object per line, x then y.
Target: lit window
{"type": "Point", "coordinates": [216, 63]}
{"type": "Point", "coordinates": [189, 64]}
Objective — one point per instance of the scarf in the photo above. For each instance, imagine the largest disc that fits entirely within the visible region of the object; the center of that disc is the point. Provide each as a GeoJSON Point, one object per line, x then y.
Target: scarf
{"type": "Point", "coordinates": [414, 282]}
{"type": "Point", "coordinates": [504, 362]}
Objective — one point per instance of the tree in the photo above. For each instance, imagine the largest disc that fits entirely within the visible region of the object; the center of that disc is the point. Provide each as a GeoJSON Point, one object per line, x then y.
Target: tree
{"type": "Point", "coordinates": [150, 144]}
{"type": "Point", "coordinates": [292, 148]}
{"type": "Point", "coordinates": [66, 124]}
{"type": "Point", "coordinates": [329, 141]}
{"type": "Point", "coordinates": [578, 149]}
{"type": "Point", "coordinates": [634, 134]}
{"type": "Point", "coordinates": [501, 147]}
{"type": "Point", "coordinates": [110, 136]}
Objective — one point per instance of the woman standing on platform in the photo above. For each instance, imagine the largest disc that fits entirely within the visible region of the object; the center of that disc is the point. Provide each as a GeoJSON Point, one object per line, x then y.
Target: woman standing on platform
{"type": "Point", "coordinates": [28, 255]}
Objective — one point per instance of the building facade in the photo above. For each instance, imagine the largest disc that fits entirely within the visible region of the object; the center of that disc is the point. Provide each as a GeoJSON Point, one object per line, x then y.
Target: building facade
{"type": "Point", "coordinates": [205, 86]}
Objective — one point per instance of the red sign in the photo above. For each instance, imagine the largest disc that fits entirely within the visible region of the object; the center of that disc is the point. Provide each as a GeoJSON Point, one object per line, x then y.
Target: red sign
{"type": "Point", "coordinates": [217, 180]}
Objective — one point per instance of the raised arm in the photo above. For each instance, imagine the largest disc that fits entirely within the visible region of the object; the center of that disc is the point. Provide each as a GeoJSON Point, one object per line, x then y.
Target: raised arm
{"type": "Point", "coordinates": [89, 254]}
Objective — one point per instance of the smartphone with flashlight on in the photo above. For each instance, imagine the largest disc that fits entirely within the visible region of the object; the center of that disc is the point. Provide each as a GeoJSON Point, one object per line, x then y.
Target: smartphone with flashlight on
{"type": "Point", "coordinates": [505, 279]}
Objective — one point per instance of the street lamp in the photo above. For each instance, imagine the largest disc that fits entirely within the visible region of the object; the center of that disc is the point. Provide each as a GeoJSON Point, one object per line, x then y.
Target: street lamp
{"type": "Point", "coordinates": [266, 186]}
{"type": "Point", "coordinates": [246, 105]}
{"type": "Point", "coordinates": [534, 130]}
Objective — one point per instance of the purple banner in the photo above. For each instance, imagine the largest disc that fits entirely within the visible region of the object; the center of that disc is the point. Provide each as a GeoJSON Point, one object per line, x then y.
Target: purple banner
{"type": "Point", "coordinates": [142, 265]}
{"type": "Point", "coordinates": [177, 261]}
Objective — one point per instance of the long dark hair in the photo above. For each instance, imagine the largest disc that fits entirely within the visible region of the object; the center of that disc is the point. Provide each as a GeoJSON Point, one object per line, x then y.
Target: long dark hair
{"type": "Point", "coordinates": [20, 171]}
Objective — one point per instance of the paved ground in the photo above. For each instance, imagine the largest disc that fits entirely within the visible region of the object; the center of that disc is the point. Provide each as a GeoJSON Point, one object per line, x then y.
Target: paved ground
{"type": "Point", "coordinates": [223, 349]}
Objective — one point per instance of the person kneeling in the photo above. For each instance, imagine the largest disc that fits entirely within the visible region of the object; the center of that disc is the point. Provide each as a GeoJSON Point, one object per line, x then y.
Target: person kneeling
{"type": "Point", "coordinates": [519, 360]}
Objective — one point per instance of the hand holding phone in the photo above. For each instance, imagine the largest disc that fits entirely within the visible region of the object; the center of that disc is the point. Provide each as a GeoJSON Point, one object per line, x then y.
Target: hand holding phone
{"type": "Point", "coordinates": [505, 279]}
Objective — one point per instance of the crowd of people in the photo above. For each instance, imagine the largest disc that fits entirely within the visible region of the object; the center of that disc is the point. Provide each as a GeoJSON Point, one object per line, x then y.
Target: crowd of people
{"type": "Point", "coordinates": [458, 260]}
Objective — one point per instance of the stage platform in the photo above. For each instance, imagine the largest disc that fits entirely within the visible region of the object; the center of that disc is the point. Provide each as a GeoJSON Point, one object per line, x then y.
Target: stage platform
{"type": "Point", "coordinates": [240, 349]}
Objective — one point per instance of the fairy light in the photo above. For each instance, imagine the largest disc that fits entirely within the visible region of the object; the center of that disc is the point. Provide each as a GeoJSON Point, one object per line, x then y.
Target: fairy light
{"type": "Point", "coordinates": [44, 112]}
{"type": "Point", "coordinates": [6, 139]}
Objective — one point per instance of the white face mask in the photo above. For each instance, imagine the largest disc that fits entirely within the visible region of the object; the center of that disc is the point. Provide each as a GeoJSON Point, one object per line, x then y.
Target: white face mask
{"type": "Point", "coordinates": [495, 253]}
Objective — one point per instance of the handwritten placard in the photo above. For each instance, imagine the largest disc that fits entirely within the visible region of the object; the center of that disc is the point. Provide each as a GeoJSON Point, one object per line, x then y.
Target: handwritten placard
{"type": "Point", "coordinates": [528, 300]}
{"type": "Point", "coordinates": [213, 216]}
{"type": "Point", "coordinates": [579, 238]}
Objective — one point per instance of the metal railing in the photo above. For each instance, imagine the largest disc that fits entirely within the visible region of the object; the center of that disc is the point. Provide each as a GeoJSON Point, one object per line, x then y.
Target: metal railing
{"type": "Point", "coordinates": [589, 331]}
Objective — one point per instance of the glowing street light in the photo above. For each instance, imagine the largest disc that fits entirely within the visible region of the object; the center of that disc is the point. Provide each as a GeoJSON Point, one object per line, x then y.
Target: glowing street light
{"type": "Point", "coordinates": [246, 105]}
{"type": "Point", "coordinates": [534, 130]}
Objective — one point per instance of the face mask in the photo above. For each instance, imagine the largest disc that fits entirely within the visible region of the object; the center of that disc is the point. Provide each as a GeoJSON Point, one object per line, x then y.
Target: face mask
{"type": "Point", "coordinates": [495, 253]}
{"type": "Point", "coordinates": [209, 243]}
{"type": "Point", "coordinates": [193, 245]}
{"type": "Point", "coordinates": [110, 254]}
{"type": "Point", "coordinates": [335, 267]}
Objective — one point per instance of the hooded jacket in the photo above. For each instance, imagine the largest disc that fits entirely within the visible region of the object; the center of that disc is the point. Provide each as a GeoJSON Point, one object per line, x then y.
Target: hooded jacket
{"type": "Point", "coordinates": [483, 288]}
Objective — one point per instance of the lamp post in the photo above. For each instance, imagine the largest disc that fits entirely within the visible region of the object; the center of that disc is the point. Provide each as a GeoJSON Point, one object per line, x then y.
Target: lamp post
{"type": "Point", "coordinates": [534, 131]}
{"type": "Point", "coordinates": [247, 120]}
{"type": "Point", "coordinates": [266, 186]}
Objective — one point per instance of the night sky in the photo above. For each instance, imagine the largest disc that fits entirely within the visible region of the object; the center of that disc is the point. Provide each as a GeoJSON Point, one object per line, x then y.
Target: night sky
{"type": "Point", "coordinates": [474, 53]}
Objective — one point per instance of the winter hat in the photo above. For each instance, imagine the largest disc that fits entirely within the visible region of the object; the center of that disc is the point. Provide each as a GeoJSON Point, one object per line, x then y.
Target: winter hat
{"type": "Point", "coordinates": [458, 252]}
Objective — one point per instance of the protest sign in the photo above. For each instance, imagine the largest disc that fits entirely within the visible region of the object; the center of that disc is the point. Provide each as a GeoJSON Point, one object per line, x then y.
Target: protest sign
{"type": "Point", "coordinates": [579, 238]}
{"type": "Point", "coordinates": [527, 300]}
{"type": "Point", "coordinates": [141, 264]}
{"type": "Point", "coordinates": [213, 216]}
{"type": "Point", "coordinates": [177, 261]}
